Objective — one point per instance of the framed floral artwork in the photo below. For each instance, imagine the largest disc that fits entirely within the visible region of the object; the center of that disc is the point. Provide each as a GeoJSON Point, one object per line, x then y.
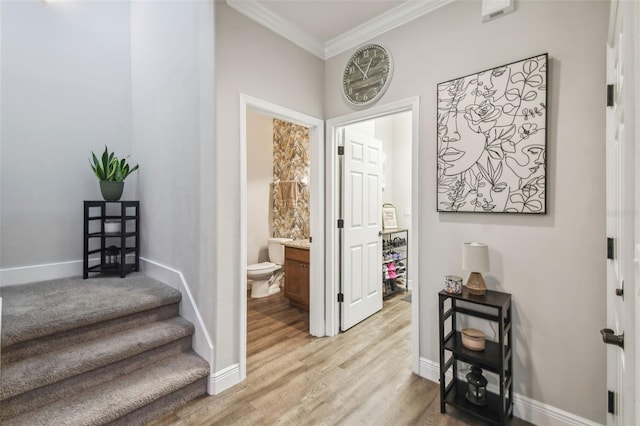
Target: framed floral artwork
{"type": "Point", "coordinates": [491, 140]}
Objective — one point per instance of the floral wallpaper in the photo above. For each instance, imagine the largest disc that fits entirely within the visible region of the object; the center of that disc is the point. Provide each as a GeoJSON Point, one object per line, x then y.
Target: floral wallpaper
{"type": "Point", "coordinates": [291, 174]}
{"type": "Point", "coordinates": [492, 140]}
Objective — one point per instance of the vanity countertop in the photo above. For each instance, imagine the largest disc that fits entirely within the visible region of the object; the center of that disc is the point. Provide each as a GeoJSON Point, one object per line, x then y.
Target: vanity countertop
{"type": "Point", "coordinates": [299, 244]}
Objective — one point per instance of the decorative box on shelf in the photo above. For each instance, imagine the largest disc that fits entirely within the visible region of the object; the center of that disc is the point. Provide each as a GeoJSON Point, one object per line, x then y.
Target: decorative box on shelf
{"type": "Point", "coordinates": [111, 237]}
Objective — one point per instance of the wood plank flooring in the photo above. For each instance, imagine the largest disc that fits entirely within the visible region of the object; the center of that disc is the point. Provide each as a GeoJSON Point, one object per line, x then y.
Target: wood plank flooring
{"type": "Point", "coordinates": [360, 377]}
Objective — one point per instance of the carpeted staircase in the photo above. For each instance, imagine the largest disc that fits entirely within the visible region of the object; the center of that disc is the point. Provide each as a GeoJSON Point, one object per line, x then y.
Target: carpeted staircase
{"type": "Point", "coordinates": [104, 350]}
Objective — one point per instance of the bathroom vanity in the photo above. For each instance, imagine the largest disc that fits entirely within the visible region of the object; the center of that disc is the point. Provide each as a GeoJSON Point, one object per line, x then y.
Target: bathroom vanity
{"type": "Point", "coordinates": [296, 273]}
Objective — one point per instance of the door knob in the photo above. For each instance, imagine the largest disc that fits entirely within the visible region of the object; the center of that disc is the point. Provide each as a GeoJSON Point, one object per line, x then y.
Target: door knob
{"type": "Point", "coordinates": [610, 338]}
{"type": "Point", "coordinates": [379, 233]}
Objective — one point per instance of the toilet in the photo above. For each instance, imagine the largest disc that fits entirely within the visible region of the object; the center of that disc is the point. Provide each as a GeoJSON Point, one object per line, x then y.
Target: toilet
{"type": "Point", "coordinates": [266, 277]}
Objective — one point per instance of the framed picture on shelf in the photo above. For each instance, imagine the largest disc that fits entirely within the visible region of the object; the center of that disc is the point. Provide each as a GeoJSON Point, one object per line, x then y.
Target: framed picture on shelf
{"type": "Point", "coordinates": [389, 220]}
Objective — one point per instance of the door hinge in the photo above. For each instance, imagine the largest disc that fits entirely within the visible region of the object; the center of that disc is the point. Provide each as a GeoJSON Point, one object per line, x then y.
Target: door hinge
{"type": "Point", "coordinates": [611, 402]}
{"type": "Point", "coordinates": [310, 239]}
{"type": "Point", "coordinates": [610, 253]}
{"type": "Point", "coordinates": [609, 95]}
{"type": "Point", "coordinates": [340, 223]}
{"type": "Point", "coordinates": [340, 297]}
{"type": "Point", "coordinates": [620, 291]}
{"type": "Point", "coordinates": [341, 150]}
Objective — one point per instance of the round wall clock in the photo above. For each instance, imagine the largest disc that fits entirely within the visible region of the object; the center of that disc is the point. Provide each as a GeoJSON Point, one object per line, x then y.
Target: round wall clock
{"type": "Point", "coordinates": [367, 74]}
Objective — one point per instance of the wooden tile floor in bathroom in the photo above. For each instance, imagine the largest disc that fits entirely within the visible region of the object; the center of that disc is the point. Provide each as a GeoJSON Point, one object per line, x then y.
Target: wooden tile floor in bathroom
{"type": "Point", "coordinates": [360, 377]}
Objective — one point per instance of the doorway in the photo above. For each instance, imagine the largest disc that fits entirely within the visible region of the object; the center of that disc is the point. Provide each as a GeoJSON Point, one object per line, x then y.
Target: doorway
{"type": "Point", "coordinates": [375, 172]}
{"type": "Point", "coordinates": [333, 196]}
{"type": "Point", "coordinates": [316, 202]}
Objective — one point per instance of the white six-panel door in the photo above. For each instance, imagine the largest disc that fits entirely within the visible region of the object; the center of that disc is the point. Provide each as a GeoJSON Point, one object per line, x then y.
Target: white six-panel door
{"type": "Point", "coordinates": [361, 242]}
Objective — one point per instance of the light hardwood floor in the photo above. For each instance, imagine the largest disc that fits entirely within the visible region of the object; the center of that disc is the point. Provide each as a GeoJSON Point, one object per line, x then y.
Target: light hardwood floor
{"type": "Point", "coordinates": [360, 377]}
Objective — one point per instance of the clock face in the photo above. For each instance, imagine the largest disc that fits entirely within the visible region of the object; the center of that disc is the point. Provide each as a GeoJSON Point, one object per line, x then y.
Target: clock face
{"type": "Point", "coordinates": [367, 74]}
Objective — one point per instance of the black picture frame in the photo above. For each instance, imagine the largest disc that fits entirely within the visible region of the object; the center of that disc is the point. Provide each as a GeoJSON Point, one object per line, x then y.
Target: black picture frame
{"type": "Point", "coordinates": [492, 140]}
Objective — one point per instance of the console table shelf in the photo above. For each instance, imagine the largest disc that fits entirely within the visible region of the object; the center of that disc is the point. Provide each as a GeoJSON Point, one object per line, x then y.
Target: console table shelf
{"type": "Point", "coordinates": [496, 358]}
{"type": "Point", "coordinates": [119, 252]}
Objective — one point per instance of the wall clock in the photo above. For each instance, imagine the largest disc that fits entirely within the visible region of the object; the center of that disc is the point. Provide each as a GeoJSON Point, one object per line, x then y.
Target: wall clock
{"type": "Point", "coordinates": [367, 74]}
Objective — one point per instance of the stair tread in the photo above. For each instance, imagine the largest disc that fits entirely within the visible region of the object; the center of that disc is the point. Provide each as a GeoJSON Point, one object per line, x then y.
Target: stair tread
{"type": "Point", "coordinates": [48, 368]}
{"type": "Point", "coordinates": [119, 397]}
{"type": "Point", "coordinates": [48, 307]}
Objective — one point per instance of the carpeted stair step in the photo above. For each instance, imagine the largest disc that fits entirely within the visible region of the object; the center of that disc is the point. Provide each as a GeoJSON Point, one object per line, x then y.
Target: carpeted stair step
{"type": "Point", "coordinates": [32, 311]}
{"type": "Point", "coordinates": [143, 394]}
{"type": "Point", "coordinates": [76, 336]}
{"type": "Point", "coordinates": [58, 367]}
{"type": "Point", "coordinates": [104, 350]}
{"type": "Point", "coordinates": [72, 386]}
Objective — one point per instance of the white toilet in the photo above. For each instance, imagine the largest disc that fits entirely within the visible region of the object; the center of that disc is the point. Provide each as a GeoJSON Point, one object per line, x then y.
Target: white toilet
{"type": "Point", "coordinates": [266, 277]}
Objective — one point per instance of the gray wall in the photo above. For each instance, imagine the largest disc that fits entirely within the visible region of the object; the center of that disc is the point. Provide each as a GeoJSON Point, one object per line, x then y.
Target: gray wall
{"type": "Point", "coordinates": [137, 76]}
{"type": "Point", "coordinates": [401, 170]}
{"type": "Point", "coordinates": [172, 49]}
{"type": "Point", "coordinates": [252, 60]}
{"type": "Point", "coordinates": [554, 265]}
{"type": "Point", "coordinates": [259, 179]}
{"type": "Point", "coordinates": [66, 91]}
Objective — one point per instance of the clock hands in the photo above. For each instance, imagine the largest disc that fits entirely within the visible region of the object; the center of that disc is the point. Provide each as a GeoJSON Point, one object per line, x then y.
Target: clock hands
{"type": "Point", "coordinates": [368, 66]}
{"type": "Point", "coordinates": [363, 73]}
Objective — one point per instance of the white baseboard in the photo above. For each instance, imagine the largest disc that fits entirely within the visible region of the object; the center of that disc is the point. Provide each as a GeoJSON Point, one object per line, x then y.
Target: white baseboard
{"type": "Point", "coordinates": [202, 343]}
{"type": "Point", "coordinates": [35, 273]}
{"type": "Point", "coordinates": [523, 407]}
{"type": "Point", "coordinates": [224, 379]}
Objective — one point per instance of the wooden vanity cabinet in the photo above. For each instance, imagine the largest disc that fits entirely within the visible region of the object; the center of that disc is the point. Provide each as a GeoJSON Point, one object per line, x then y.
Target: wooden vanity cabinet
{"type": "Point", "coordinates": [296, 277]}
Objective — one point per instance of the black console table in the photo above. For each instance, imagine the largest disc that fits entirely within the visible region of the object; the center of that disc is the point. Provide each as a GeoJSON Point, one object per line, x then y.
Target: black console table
{"type": "Point", "coordinates": [111, 252]}
{"type": "Point", "coordinates": [497, 357]}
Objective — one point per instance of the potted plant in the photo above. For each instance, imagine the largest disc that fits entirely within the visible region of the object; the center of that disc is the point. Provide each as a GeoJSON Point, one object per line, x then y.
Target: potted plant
{"type": "Point", "coordinates": [111, 171]}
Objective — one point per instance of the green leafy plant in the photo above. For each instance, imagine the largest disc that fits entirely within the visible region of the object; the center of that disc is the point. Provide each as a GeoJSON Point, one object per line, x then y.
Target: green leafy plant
{"type": "Point", "coordinates": [111, 168]}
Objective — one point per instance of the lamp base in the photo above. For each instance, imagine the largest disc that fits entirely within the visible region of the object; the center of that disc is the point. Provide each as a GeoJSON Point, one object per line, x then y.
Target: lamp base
{"type": "Point", "coordinates": [475, 284]}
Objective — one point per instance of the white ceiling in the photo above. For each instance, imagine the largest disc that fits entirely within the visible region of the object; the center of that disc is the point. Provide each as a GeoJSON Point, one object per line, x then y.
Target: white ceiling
{"type": "Point", "coordinates": [328, 19]}
{"type": "Point", "coordinates": [329, 27]}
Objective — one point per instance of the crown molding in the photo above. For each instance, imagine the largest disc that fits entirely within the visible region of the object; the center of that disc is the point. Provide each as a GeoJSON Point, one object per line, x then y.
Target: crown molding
{"type": "Point", "coordinates": [264, 16]}
{"type": "Point", "coordinates": [393, 18]}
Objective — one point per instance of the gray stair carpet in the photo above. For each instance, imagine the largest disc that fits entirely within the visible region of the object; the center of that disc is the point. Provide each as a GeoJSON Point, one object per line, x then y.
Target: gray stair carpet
{"type": "Point", "coordinates": [103, 350]}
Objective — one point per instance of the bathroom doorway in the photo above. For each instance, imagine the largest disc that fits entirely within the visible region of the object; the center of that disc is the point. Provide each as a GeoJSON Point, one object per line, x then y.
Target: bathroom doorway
{"type": "Point", "coordinates": [311, 187]}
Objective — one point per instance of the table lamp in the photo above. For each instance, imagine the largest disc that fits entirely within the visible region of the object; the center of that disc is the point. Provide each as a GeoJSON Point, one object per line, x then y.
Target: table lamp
{"type": "Point", "coordinates": [475, 258]}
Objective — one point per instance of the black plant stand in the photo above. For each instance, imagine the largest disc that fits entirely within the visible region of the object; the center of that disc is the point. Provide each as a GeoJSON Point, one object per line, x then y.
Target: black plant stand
{"type": "Point", "coordinates": [112, 247]}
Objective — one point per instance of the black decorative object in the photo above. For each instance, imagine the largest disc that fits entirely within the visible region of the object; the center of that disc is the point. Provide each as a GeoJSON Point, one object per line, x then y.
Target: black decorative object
{"type": "Point", "coordinates": [477, 392]}
{"type": "Point", "coordinates": [491, 137]}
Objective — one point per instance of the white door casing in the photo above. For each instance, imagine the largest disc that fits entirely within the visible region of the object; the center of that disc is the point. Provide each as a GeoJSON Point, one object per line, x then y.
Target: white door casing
{"type": "Point", "coordinates": [636, 83]}
{"type": "Point", "coordinates": [362, 214]}
{"type": "Point", "coordinates": [620, 199]}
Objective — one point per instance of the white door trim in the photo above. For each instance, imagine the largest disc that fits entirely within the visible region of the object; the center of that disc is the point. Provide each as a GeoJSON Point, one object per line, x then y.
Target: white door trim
{"type": "Point", "coordinates": [316, 143]}
{"type": "Point", "coordinates": [636, 82]}
{"type": "Point", "coordinates": [331, 272]}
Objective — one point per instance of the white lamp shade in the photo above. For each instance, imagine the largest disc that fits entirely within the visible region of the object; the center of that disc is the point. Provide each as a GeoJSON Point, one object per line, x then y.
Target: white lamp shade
{"type": "Point", "coordinates": [475, 257]}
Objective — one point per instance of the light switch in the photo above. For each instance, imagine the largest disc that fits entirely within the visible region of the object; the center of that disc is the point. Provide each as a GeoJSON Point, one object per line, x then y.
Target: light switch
{"type": "Point", "coordinates": [407, 211]}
